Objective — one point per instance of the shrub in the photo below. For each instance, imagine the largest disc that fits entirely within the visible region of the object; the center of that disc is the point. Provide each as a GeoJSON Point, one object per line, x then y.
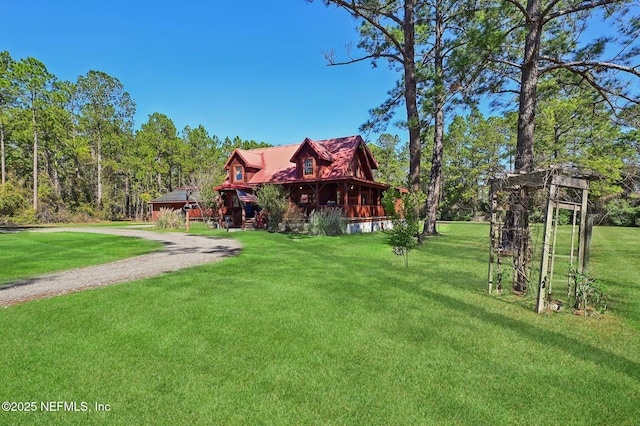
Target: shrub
{"type": "Point", "coordinates": [11, 200]}
{"type": "Point", "coordinates": [389, 199]}
{"type": "Point", "coordinates": [293, 219]}
{"type": "Point", "coordinates": [170, 219]}
{"type": "Point", "coordinates": [83, 213]}
{"type": "Point", "coordinates": [622, 213]}
{"type": "Point", "coordinates": [329, 221]}
{"type": "Point", "coordinates": [403, 236]}
{"type": "Point", "coordinates": [274, 203]}
{"type": "Point", "coordinates": [590, 295]}
{"type": "Point", "coordinates": [52, 213]}
{"type": "Point", "coordinates": [25, 217]}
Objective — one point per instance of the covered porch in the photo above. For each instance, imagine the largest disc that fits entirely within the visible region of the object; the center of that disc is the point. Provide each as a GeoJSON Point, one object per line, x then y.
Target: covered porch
{"type": "Point", "coordinates": [237, 205]}
{"type": "Point", "coordinates": [357, 199]}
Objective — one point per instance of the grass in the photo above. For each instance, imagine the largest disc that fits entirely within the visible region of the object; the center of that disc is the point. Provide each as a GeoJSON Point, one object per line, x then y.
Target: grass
{"type": "Point", "coordinates": [330, 330]}
{"type": "Point", "coordinates": [27, 254]}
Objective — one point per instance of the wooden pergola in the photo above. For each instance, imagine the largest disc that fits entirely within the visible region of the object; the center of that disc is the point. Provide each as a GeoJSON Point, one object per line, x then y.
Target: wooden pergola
{"type": "Point", "coordinates": [510, 233]}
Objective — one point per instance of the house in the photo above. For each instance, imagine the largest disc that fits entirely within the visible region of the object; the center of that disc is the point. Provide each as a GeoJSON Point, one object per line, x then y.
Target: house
{"type": "Point", "coordinates": [315, 174]}
{"type": "Point", "coordinates": [179, 199]}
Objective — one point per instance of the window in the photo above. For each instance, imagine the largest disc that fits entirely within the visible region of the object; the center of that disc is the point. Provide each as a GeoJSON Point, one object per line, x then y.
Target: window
{"type": "Point", "coordinates": [308, 167]}
{"type": "Point", "coordinates": [238, 175]}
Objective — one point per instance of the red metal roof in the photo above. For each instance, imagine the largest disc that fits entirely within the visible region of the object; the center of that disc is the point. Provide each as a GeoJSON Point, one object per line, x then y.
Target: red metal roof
{"type": "Point", "coordinates": [318, 147]}
{"type": "Point", "coordinates": [277, 164]}
{"type": "Point", "coordinates": [250, 157]}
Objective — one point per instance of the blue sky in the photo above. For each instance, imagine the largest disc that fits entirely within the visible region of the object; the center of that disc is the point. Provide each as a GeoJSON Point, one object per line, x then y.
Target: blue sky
{"type": "Point", "coordinates": [252, 68]}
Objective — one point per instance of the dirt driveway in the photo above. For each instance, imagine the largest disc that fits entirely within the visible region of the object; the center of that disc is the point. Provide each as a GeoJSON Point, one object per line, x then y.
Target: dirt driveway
{"type": "Point", "coordinates": [180, 251]}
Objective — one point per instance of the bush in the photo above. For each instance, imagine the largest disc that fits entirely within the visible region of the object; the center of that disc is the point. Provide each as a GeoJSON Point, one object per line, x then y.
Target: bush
{"type": "Point", "coordinates": [274, 203]}
{"type": "Point", "coordinates": [25, 217]}
{"type": "Point", "coordinates": [293, 219]}
{"type": "Point", "coordinates": [52, 213]}
{"type": "Point", "coordinates": [403, 236]}
{"type": "Point", "coordinates": [389, 200]}
{"type": "Point", "coordinates": [83, 213]}
{"type": "Point", "coordinates": [11, 200]}
{"type": "Point", "coordinates": [329, 221]}
{"type": "Point", "coordinates": [590, 296]}
{"type": "Point", "coordinates": [170, 219]}
{"type": "Point", "coordinates": [621, 213]}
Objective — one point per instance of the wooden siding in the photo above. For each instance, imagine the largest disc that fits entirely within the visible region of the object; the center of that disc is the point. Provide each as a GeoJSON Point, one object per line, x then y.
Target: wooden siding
{"type": "Point", "coordinates": [363, 211]}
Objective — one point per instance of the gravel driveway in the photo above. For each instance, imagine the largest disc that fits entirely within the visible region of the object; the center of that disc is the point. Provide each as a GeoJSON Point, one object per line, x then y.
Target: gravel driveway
{"type": "Point", "coordinates": [180, 251]}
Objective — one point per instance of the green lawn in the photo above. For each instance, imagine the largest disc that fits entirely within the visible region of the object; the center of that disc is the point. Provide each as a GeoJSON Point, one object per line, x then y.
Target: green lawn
{"type": "Point", "coordinates": [330, 331]}
{"type": "Point", "coordinates": [27, 254]}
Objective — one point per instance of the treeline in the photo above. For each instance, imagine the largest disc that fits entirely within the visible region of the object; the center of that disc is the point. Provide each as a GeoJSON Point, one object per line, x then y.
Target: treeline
{"type": "Point", "coordinates": [571, 133]}
{"type": "Point", "coordinates": [69, 150]}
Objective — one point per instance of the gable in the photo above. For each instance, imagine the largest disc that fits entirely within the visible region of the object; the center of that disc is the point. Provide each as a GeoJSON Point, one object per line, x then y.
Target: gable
{"type": "Point", "coordinates": [246, 157]}
{"type": "Point", "coordinates": [352, 158]}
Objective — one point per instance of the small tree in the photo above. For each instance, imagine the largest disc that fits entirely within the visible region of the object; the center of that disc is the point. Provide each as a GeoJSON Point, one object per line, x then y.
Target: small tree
{"type": "Point", "coordinates": [274, 203]}
{"type": "Point", "coordinates": [406, 225]}
{"type": "Point", "coordinates": [208, 202]}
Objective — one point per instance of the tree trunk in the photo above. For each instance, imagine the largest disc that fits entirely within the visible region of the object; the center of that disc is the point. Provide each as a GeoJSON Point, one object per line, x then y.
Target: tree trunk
{"type": "Point", "coordinates": [433, 192]}
{"type": "Point", "coordinates": [519, 223]}
{"type": "Point", "coordinates": [529, 89]}
{"type": "Point", "coordinates": [2, 153]}
{"type": "Point", "coordinates": [435, 182]}
{"type": "Point", "coordinates": [127, 198]}
{"type": "Point", "coordinates": [411, 95]}
{"type": "Point", "coordinates": [99, 171]}
{"type": "Point", "coordinates": [35, 158]}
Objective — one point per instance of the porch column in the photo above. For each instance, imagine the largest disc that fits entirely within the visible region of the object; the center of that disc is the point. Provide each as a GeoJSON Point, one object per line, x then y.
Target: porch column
{"type": "Point", "coordinates": [316, 193]}
{"type": "Point", "coordinates": [345, 198]}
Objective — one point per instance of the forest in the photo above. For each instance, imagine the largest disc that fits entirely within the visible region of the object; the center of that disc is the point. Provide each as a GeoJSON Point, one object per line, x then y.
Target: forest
{"type": "Point", "coordinates": [71, 151]}
{"type": "Point", "coordinates": [559, 79]}
{"type": "Point", "coordinates": [477, 148]}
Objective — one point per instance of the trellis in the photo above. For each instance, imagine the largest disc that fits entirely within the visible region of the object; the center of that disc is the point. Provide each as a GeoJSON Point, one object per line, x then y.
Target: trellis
{"type": "Point", "coordinates": [510, 233]}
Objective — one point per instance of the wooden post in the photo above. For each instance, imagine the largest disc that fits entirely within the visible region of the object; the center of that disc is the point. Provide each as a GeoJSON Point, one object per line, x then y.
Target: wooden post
{"type": "Point", "coordinates": [187, 222]}
{"type": "Point", "coordinates": [345, 197]}
{"type": "Point", "coordinates": [573, 241]}
{"type": "Point", "coordinates": [583, 227]}
{"type": "Point", "coordinates": [493, 236]}
{"type": "Point", "coordinates": [544, 264]}
{"type": "Point", "coordinates": [553, 246]}
{"type": "Point", "coordinates": [587, 244]}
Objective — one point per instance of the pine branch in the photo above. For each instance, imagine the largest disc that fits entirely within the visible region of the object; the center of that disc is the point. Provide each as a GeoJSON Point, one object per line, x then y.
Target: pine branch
{"type": "Point", "coordinates": [558, 64]}
{"type": "Point", "coordinates": [582, 6]}
{"type": "Point", "coordinates": [330, 57]}
{"type": "Point", "coordinates": [356, 11]}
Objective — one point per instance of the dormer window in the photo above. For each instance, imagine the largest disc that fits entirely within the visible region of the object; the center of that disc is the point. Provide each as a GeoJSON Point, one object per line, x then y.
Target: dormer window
{"type": "Point", "coordinates": [308, 167]}
{"type": "Point", "coordinates": [238, 174]}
